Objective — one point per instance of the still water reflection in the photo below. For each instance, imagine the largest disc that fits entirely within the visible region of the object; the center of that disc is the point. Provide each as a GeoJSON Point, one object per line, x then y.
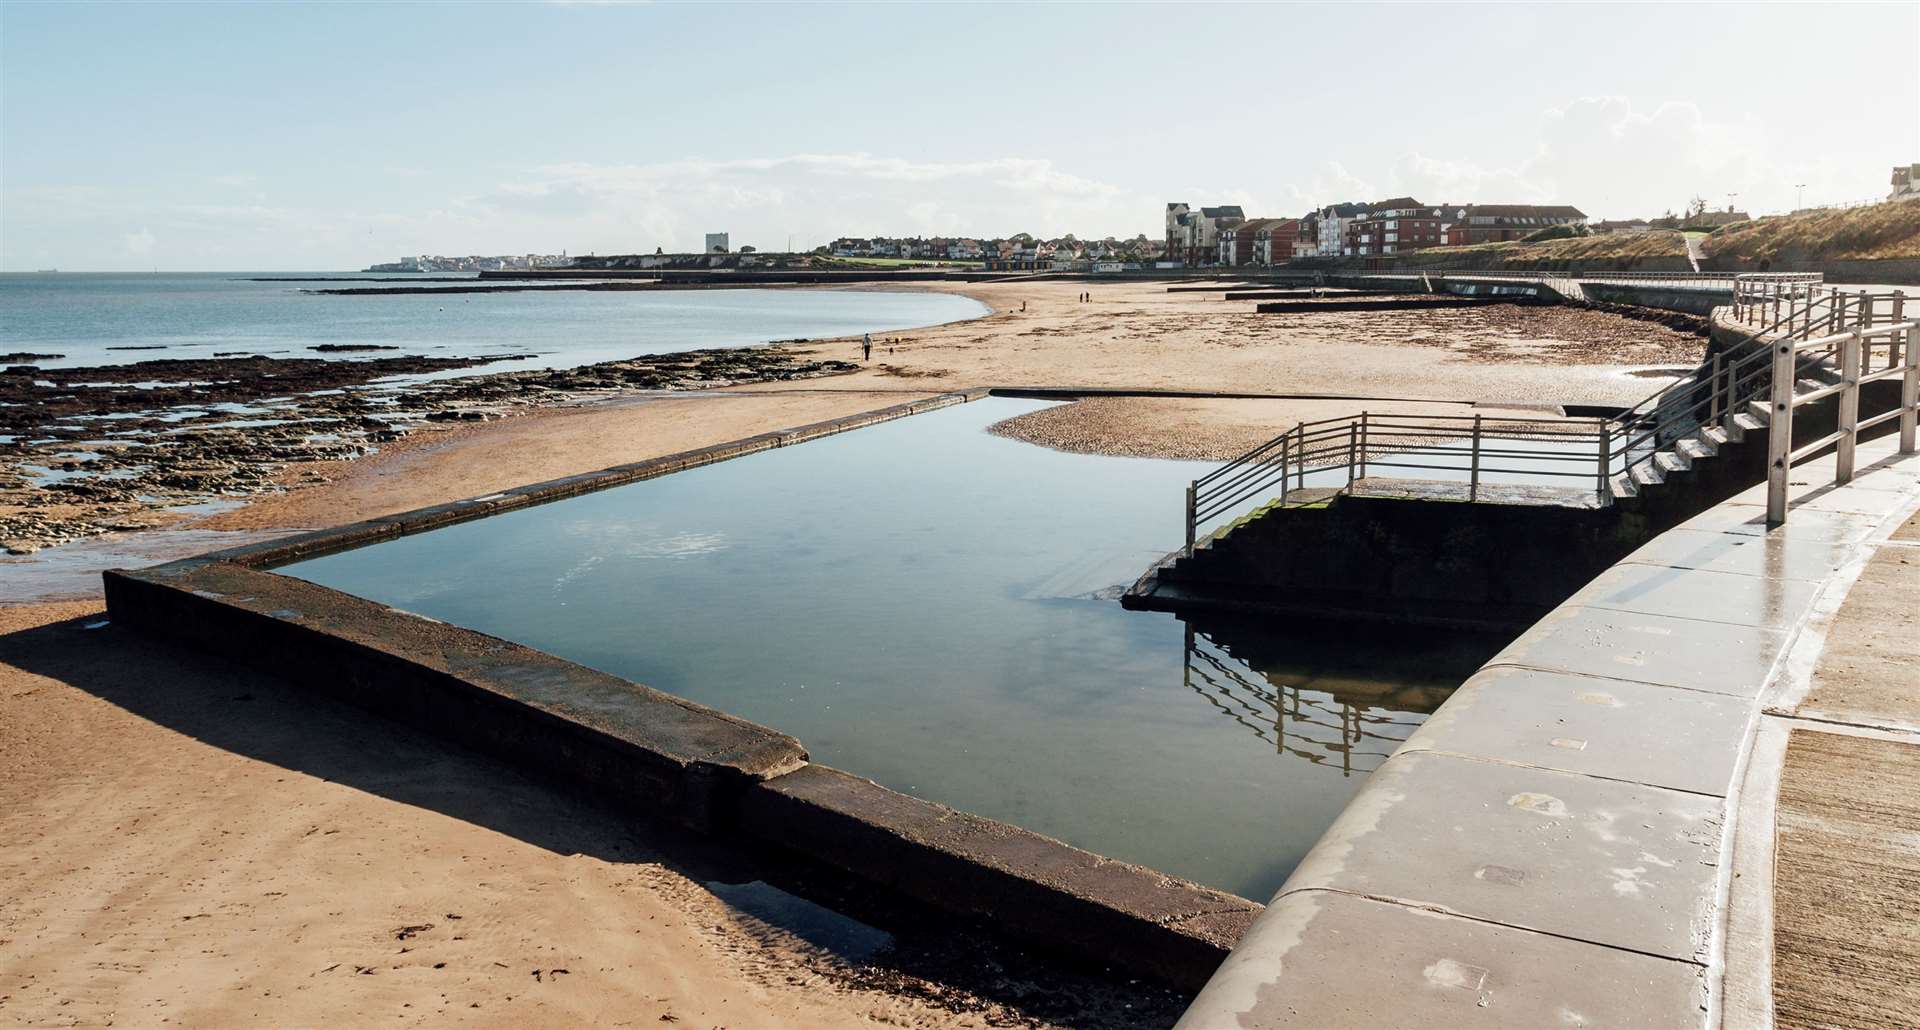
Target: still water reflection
{"type": "Point", "coordinates": [932, 606]}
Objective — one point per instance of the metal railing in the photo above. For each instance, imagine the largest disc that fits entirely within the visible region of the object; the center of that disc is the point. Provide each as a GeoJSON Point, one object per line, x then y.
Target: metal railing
{"type": "Point", "coordinates": [1662, 433]}
{"type": "Point", "coordinates": [1321, 727]}
{"type": "Point", "coordinates": [1800, 307]}
{"type": "Point", "coordinates": [1856, 359]}
{"type": "Point", "coordinates": [1477, 445]}
{"type": "Point", "coordinates": [1693, 280]}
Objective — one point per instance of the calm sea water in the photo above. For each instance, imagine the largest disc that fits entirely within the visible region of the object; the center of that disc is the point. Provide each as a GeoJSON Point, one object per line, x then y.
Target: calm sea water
{"type": "Point", "coordinates": [93, 318]}
{"type": "Point", "coordinates": [932, 606]}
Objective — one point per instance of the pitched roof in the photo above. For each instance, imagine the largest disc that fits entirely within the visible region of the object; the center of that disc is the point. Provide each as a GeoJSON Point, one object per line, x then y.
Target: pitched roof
{"type": "Point", "coordinates": [1228, 211]}
{"type": "Point", "coordinates": [1395, 203]}
{"type": "Point", "coordinates": [1525, 210]}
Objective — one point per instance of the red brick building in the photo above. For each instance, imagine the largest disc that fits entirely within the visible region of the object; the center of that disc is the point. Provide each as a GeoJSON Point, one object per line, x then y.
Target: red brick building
{"type": "Point", "coordinates": [1273, 242]}
{"type": "Point", "coordinates": [1395, 225]}
{"type": "Point", "coordinates": [1256, 241]}
{"type": "Point", "coordinates": [1498, 223]}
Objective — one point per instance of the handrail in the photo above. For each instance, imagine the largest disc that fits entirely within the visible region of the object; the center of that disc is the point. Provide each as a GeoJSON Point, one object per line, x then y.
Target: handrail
{"type": "Point", "coordinates": [1856, 359]}
{"type": "Point", "coordinates": [1792, 306]}
{"type": "Point", "coordinates": [1484, 445]}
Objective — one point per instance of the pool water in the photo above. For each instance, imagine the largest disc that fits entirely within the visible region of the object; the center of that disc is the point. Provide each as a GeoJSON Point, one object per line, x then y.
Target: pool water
{"type": "Point", "coordinates": [934, 607]}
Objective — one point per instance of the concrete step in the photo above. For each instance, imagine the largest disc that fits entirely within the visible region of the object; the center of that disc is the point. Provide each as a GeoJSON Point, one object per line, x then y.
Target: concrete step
{"type": "Point", "coordinates": [1716, 436]}
{"type": "Point", "coordinates": [1671, 462]}
{"type": "Point", "coordinates": [1762, 410]}
{"type": "Point", "coordinates": [1623, 487]}
{"type": "Point", "coordinates": [1695, 447]}
{"type": "Point", "coordinates": [1648, 474]}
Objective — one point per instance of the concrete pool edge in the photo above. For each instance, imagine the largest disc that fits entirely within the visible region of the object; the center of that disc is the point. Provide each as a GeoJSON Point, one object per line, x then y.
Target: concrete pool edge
{"type": "Point", "coordinates": [661, 754]}
{"type": "Point", "coordinates": [319, 542]}
{"type": "Point", "coordinates": [1562, 839]}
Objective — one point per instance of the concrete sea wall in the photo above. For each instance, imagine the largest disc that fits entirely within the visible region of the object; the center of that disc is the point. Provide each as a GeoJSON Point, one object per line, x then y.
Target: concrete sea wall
{"type": "Point", "coordinates": [661, 755]}
{"type": "Point", "coordinates": [1552, 847]}
{"type": "Point", "coordinates": [1668, 298]}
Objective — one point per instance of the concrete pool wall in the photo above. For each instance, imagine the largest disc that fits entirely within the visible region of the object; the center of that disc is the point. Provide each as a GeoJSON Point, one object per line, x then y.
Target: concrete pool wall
{"type": "Point", "coordinates": [661, 754]}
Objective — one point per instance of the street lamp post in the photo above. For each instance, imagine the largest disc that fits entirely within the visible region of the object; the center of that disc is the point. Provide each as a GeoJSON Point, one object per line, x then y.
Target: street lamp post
{"type": "Point", "coordinates": [1799, 194]}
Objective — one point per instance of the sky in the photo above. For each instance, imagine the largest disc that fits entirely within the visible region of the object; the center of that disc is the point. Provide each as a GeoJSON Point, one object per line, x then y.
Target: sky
{"type": "Point", "coordinates": [329, 136]}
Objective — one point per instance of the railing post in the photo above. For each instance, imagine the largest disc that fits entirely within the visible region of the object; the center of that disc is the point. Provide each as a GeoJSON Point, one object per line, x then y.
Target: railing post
{"type": "Point", "coordinates": [1852, 355]}
{"type": "Point", "coordinates": [1190, 512]}
{"type": "Point", "coordinates": [1353, 439]}
{"type": "Point", "coordinates": [1895, 345]}
{"type": "Point", "coordinates": [1286, 449]}
{"type": "Point", "coordinates": [1363, 445]}
{"type": "Point", "coordinates": [1910, 392]}
{"type": "Point", "coordinates": [1604, 429]}
{"type": "Point", "coordinates": [1300, 460]}
{"type": "Point", "coordinates": [1780, 432]}
{"type": "Point", "coordinates": [1713, 394]}
{"type": "Point", "coordinates": [1473, 476]}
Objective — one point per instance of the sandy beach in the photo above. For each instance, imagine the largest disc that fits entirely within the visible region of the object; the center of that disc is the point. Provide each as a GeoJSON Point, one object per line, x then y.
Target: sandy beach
{"type": "Point", "coordinates": [188, 842]}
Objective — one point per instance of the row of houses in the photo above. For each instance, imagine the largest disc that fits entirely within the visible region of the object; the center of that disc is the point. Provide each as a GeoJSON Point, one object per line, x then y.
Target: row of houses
{"type": "Point", "coordinates": [1016, 252]}
{"type": "Point", "coordinates": [1226, 236]}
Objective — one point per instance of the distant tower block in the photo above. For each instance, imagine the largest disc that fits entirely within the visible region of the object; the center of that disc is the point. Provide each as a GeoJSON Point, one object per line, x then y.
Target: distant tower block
{"type": "Point", "coordinates": [717, 243]}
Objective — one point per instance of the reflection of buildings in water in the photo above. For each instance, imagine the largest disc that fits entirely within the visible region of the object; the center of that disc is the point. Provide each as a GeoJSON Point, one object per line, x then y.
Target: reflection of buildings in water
{"type": "Point", "coordinates": [1349, 723]}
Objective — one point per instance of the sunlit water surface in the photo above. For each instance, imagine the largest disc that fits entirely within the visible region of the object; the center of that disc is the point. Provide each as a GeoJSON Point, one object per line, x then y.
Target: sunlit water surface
{"type": "Point", "coordinates": [932, 606]}
{"type": "Point", "coordinates": [108, 319]}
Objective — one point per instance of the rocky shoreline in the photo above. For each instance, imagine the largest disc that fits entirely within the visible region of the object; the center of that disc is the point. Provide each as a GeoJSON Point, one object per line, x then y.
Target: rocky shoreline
{"type": "Point", "coordinates": [119, 447]}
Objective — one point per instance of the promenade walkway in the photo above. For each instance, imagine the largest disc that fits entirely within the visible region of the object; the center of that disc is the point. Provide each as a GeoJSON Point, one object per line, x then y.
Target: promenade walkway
{"type": "Point", "coordinates": [1831, 817]}
{"type": "Point", "coordinates": [1689, 797]}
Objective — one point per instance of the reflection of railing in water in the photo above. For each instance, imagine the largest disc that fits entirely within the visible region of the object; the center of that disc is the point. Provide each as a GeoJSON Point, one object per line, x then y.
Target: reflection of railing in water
{"type": "Point", "coordinates": [1295, 721]}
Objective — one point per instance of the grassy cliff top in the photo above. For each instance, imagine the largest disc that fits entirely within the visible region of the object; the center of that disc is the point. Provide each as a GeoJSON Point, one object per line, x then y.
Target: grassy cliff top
{"type": "Point", "coordinates": [1624, 248]}
{"type": "Point", "coordinates": [1889, 230]}
{"type": "Point", "coordinates": [1877, 231]}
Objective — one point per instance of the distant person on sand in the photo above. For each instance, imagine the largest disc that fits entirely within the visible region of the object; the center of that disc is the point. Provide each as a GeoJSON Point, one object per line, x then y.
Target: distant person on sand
{"type": "Point", "coordinates": [1023, 307]}
{"type": "Point", "coordinates": [866, 346]}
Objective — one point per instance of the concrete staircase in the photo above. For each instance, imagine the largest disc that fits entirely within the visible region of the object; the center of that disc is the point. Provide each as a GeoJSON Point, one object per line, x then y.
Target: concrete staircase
{"type": "Point", "coordinates": [1409, 551]}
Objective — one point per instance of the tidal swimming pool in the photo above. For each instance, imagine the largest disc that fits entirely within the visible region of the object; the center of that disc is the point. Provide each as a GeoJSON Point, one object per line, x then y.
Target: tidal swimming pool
{"type": "Point", "coordinates": [934, 607]}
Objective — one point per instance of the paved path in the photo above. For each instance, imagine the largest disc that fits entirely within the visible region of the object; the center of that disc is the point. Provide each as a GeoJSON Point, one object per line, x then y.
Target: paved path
{"type": "Point", "coordinates": [1835, 941]}
{"type": "Point", "coordinates": [1585, 834]}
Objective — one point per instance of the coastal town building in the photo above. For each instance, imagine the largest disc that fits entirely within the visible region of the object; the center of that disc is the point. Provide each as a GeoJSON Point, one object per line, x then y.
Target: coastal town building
{"type": "Point", "coordinates": [1906, 182]}
{"type": "Point", "coordinates": [1258, 241]}
{"type": "Point", "coordinates": [1710, 220]}
{"type": "Point", "coordinates": [1332, 230]}
{"type": "Point", "coordinates": [1193, 237]}
{"type": "Point", "coordinates": [1607, 227]}
{"type": "Point", "coordinates": [473, 263]}
{"type": "Point", "coordinates": [717, 243]}
{"type": "Point", "coordinates": [1499, 223]}
{"type": "Point", "coordinates": [1394, 225]}
{"type": "Point", "coordinates": [1273, 242]}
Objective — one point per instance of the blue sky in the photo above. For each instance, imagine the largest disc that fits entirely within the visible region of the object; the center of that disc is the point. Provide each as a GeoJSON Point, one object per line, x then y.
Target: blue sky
{"type": "Point", "coordinates": [201, 136]}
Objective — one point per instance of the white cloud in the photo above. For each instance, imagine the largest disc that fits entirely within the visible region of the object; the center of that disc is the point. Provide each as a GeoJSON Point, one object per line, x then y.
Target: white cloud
{"type": "Point", "coordinates": [1604, 154]}
{"type": "Point", "coordinates": [1613, 159]}
{"type": "Point", "coordinates": [139, 242]}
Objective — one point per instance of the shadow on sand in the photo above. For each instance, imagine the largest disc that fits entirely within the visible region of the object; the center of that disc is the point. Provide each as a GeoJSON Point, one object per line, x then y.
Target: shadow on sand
{"type": "Point", "coordinates": [243, 712]}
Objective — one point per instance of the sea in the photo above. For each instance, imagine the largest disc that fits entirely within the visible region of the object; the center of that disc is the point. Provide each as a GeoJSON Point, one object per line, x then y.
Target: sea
{"type": "Point", "coordinates": [121, 318]}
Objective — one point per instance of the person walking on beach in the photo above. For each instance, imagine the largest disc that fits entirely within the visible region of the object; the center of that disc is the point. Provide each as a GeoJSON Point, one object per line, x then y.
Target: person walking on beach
{"type": "Point", "coordinates": [866, 346]}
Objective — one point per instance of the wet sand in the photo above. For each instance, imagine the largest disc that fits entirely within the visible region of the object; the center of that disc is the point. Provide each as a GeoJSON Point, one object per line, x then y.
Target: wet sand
{"type": "Point", "coordinates": [1139, 335]}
